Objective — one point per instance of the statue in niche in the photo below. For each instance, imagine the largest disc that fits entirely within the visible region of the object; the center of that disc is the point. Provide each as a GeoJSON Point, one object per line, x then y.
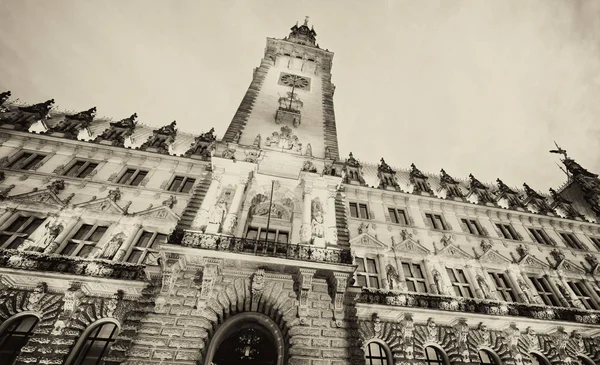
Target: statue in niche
{"type": "Point", "coordinates": [317, 219]}
{"type": "Point", "coordinates": [438, 282]}
{"type": "Point", "coordinates": [113, 246]}
{"type": "Point", "coordinates": [392, 277]}
{"type": "Point", "coordinates": [46, 243]}
{"type": "Point", "coordinates": [237, 136]}
{"type": "Point", "coordinates": [526, 291]}
{"type": "Point", "coordinates": [308, 150]}
{"type": "Point", "coordinates": [485, 289]}
{"type": "Point", "coordinates": [257, 140]}
{"type": "Point", "coordinates": [217, 213]}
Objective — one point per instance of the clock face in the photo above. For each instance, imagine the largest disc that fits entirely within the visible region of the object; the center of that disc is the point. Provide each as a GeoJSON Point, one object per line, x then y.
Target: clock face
{"type": "Point", "coordinates": [298, 82]}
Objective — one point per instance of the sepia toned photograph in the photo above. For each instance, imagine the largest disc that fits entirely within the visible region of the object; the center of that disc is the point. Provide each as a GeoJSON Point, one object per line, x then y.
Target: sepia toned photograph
{"type": "Point", "coordinates": [194, 182]}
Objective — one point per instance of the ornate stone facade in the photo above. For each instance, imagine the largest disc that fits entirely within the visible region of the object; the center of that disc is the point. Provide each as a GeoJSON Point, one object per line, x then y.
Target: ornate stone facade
{"type": "Point", "coordinates": [202, 251]}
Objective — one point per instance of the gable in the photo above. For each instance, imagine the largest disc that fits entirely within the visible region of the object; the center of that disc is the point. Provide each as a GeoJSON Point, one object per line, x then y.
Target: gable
{"type": "Point", "coordinates": [452, 251]}
{"type": "Point", "coordinates": [494, 257]}
{"type": "Point", "coordinates": [366, 240]}
{"type": "Point", "coordinates": [43, 196]}
{"type": "Point", "coordinates": [530, 261]}
{"type": "Point", "coordinates": [568, 266]}
{"type": "Point", "coordinates": [102, 205]}
{"type": "Point", "coordinates": [409, 245]}
{"type": "Point", "coordinates": [161, 212]}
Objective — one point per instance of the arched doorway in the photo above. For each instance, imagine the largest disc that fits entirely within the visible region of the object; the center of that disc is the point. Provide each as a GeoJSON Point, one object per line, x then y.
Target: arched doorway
{"type": "Point", "coordinates": [247, 339]}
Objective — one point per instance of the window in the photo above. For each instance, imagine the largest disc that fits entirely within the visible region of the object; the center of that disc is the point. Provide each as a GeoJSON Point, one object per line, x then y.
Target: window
{"type": "Point", "coordinates": [415, 280]}
{"type": "Point", "coordinates": [132, 177]}
{"type": "Point", "coordinates": [359, 210]}
{"type": "Point", "coordinates": [145, 250]}
{"type": "Point", "coordinates": [435, 221]}
{"type": "Point", "coordinates": [367, 273]}
{"type": "Point", "coordinates": [461, 285]}
{"type": "Point", "coordinates": [585, 361]}
{"type": "Point", "coordinates": [503, 286]}
{"type": "Point", "coordinates": [472, 226]}
{"type": "Point", "coordinates": [375, 354]}
{"type": "Point", "coordinates": [81, 169]}
{"type": "Point", "coordinates": [182, 184]}
{"type": "Point", "coordinates": [596, 242]}
{"type": "Point", "coordinates": [571, 241]}
{"type": "Point", "coordinates": [274, 235]}
{"type": "Point", "coordinates": [508, 232]}
{"type": "Point", "coordinates": [545, 292]}
{"type": "Point", "coordinates": [540, 236]}
{"type": "Point", "coordinates": [583, 294]}
{"type": "Point", "coordinates": [398, 216]}
{"type": "Point", "coordinates": [17, 231]}
{"type": "Point", "coordinates": [96, 344]}
{"type": "Point", "coordinates": [538, 360]}
{"type": "Point", "coordinates": [486, 358]}
{"type": "Point", "coordinates": [433, 356]}
{"type": "Point", "coordinates": [26, 161]}
{"type": "Point", "coordinates": [15, 336]}
{"type": "Point", "coordinates": [84, 240]}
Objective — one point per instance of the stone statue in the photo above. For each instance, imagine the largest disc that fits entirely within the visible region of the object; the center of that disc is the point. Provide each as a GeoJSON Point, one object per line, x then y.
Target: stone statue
{"type": "Point", "coordinates": [309, 166]}
{"type": "Point", "coordinates": [485, 289]}
{"type": "Point", "coordinates": [317, 219]}
{"type": "Point", "coordinates": [113, 246]}
{"type": "Point", "coordinates": [392, 277]}
{"type": "Point", "coordinates": [526, 291]}
{"type": "Point", "coordinates": [257, 140]}
{"type": "Point", "coordinates": [438, 282]}
{"type": "Point", "coordinates": [308, 150]}
{"type": "Point", "coordinates": [217, 213]}
{"type": "Point", "coordinates": [237, 136]}
{"type": "Point", "coordinates": [114, 195]}
{"type": "Point", "coordinates": [42, 245]}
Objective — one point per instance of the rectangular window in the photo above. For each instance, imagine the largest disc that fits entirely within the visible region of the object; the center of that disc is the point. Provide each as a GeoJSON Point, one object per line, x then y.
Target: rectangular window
{"type": "Point", "coordinates": [503, 286]}
{"type": "Point", "coordinates": [17, 231]}
{"type": "Point", "coordinates": [398, 216]}
{"type": "Point", "coordinates": [596, 242]}
{"type": "Point", "coordinates": [27, 161]}
{"type": "Point", "coordinates": [571, 240]}
{"type": "Point", "coordinates": [459, 281]}
{"type": "Point", "coordinates": [415, 280]}
{"type": "Point", "coordinates": [145, 250]}
{"type": "Point", "coordinates": [540, 236]}
{"type": "Point", "coordinates": [81, 169]}
{"type": "Point", "coordinates": [472, 226]}
{"type": "Point", "coordinates": [274, 234]}
{"type": "Point", "coordinates": [435, 221]}
{"type": "Point", "coordinates": [543, 288]}
{"type": "Point", "coordinates": [508, 231]}
{"type": "Point", "coordinates": [583, 294]}
{"type": "Point", "coordinates": [367, 274]}
{"type": "Point", "coordinates": [84, 240]}
{"type": "Point", "coordinates": [182, 184]}
{"type": "Point", "coordinates": [359, 210]}
{"type": "Point", "coordinates": [132, 177]}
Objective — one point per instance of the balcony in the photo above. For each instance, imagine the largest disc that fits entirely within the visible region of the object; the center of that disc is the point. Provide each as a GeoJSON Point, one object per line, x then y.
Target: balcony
{"type": "Point", "coordinates": [265, 248]}
{"type": "Point", "coordinates": [478, 306]}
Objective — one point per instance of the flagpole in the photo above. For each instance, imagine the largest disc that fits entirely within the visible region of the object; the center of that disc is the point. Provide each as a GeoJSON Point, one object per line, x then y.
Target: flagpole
{"type": "Point", "coordinates": [269, 216]}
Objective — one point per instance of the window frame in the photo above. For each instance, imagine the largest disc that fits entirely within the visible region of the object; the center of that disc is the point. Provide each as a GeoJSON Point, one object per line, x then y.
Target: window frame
{"type": "Point", "coordinates": [506, 288]}
{"type": "Point", "coordinates": [145, 250]}
{"type": "Point", "coordinates": [470, 223]}
{"type": "Point", "coordinates": [441, 357]}
{"type": "Point", "coordinates": [595, 242]}
{"type": "Point", "coordinates": [491, 355]}
{"type": "Point", "coordinates": [396, 213]}
{"type": "Point", "coordinates": [5, 328]}
{"type": "Point", "coordinates": [507, 231]}
{"type": "Point", "coordinates": [134, 175]}
{"type": "Point", "coordinates": [18, 234]}
{"type": "Point", "coordinates": [384, 359]}
{"type": "Point", "coordinates": [184, 179]}
{"type": "Point", "coordinates": [431, 219]}
{"type": "Point", "coordinates": [571, 240]}
{"type": "Point", "coordinates": [460, 285]}
{"type": "Point", "coordinates": [86, 163]}
{"type": "Point", "coordinates": [546, 239]}
{"type": "Point", "coordinates": [259, 228]}
{"type": "Point", "coordinates": [366, 273]}
{"type": "Point", "coordinates": [74, 356]}
{"type": "Point", "coordinates": [544, 295]}
{"type": "Point", "coordinates": [80, 244]}
{"type": "Point", "coordinates": [15, 158]}
{"type": "Point", "coordinates": [582, 293]}
{"type": "Point", "coordinates": [359, 206]}
{"type": "Point", "coordinates": [413, 279]}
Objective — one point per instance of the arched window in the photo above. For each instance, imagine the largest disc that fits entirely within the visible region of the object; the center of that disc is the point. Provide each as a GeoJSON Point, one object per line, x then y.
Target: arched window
{"type": "Point", "coordinates": [487, 358]}
{"type": "Point", "coordinates": [15, 335]}
{"type": "Point", "coordinates": [433, 356]}
{"type": "Point", "coordinates": [95, 345]}
{"type": "Point", "coordinates": [585, 361]}
{"type": "Point", "coordinates": [375, 354]}
{"type": "Point", "coordinates": [538, 360]}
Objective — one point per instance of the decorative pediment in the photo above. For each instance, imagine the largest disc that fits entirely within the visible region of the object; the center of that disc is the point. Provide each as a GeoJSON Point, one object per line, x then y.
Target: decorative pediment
{"type": "Point", "coordinates": [453, 251]}
{"type": "Point", "coordinates": [42, 196]}
{"type": "Point", "coordinates": [568, 266]}
{"type": "Point", "coordinates": [102, 205]}
{"type": "Point", "coordinates": [162, 212]}
{"type": "Point", "coordinates": [410, 245]}
{"type": "Point", "coordinates": [494, 257]}
{"type": "Point", "coordinates": [532, 262]}
{"type": "Point", "coordinates": [366, 240]}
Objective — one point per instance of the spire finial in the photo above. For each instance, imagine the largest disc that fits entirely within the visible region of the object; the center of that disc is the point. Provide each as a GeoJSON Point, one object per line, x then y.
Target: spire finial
{"type": "Point", "coordinates": [306, 20]}
{"type": "Point", "coordinates": [559, 150]}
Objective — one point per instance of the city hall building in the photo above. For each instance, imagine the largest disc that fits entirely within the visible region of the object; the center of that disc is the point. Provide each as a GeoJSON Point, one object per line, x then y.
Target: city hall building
{"type": "Point", "coordinates": [124, 244]}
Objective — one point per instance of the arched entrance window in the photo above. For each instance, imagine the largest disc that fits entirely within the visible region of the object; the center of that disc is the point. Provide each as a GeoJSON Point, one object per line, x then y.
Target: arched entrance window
{"type": "Point", "coordinates": [95, 345]}
{"type": "Point", "coordinates": [15, 335]}
{"type": "Point", "coordinates": [433, 356]}
{"type": "Point", "coordinates": [247, 339]}
{"type": "Point", "coordinates": [538, 359]}
{"type": "Point", "coordinates": [376, 354]}
{"type": "Point", "coordinates": [487, 358]}
{"type": "Point", "coordinates": [585, 361]}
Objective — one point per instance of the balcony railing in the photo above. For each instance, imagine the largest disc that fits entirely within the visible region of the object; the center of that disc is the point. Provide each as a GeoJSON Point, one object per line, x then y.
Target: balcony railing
{"type": "Point", "coordinates": [36, 261]}
{"type": "Point", "coordinates": [470, 305]}
{"type": "Point", "coordinates": [265, 248]}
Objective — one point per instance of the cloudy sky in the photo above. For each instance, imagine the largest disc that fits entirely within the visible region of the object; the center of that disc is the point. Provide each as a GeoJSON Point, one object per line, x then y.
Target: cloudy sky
{"type": "Point", "coordinates": [470, 86]}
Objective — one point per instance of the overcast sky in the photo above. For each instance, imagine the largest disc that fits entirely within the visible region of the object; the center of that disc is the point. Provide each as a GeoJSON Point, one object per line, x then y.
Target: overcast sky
{"type": "Point", "coordinates": [470, 86]}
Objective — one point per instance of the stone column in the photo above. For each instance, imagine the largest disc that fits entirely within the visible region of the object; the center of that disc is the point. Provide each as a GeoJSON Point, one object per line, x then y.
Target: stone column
{"type": "Point", "coordinates": [472, 279]}
{"type": "Point", "coordinates": [128, 244]}
{"type": "Point", "coordinates": [514, 283]}
{"type": "Point", "coordinates": [210, 199]}
{"type": "Point", "coordinates": [232, 215]}
{"type": "Point", "coordinates": [592, 292]}
{"type": "Point", "coordinates": [556, 291]}
{"type": "Point", "coordinates": [383, 273]}
{"type": "Point", "coordinates": [6, 214]}
{"type": "Point", "coordinates": [330, 220]}
{"type": "Point", "coordinates": [305, 231]}
{"type": "Point", "coordinates": [401, 273]}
